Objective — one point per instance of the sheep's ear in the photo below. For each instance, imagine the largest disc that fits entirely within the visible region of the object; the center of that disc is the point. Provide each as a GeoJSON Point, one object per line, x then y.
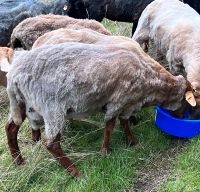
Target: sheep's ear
{"type": "Point", "coordinates": [190, 98]}
{"type": "Point", "coordinates": [5, 65]}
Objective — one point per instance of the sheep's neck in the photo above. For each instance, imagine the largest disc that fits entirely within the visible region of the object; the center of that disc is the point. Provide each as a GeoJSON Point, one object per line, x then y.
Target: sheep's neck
{"type": "Point", "coordinates": [169, 92]}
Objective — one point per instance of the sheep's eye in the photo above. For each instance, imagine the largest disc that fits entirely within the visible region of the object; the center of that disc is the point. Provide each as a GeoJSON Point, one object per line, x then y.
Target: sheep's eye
{"type": "Point", "coordinates": [194, 90]}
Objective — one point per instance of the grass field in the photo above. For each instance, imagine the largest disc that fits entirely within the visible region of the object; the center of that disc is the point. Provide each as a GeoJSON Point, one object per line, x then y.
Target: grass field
{"type": "Point", "coordinates": [158, 163]}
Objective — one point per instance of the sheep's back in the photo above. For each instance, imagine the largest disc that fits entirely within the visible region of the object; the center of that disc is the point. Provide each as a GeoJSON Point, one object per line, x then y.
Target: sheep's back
{"type": "Point", "coordinates": [78, 75]}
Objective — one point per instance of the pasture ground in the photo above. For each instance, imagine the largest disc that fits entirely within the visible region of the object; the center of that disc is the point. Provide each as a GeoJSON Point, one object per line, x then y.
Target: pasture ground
{"type": "Point", "coordinates": [158, 163]}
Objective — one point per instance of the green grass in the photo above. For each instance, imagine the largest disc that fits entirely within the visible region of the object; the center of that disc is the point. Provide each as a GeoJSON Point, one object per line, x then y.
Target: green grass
{"type": "Point", "coordinates": [81, 141]}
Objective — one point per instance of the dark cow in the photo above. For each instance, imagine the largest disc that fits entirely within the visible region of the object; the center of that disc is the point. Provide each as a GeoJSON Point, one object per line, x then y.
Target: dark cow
{"type": "Point", "coordinates": [12, 12]}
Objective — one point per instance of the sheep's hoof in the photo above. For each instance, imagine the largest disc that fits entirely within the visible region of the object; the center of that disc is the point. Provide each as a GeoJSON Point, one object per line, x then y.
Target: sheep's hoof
{"type": "Point", "coordinates": [76, 173]}
{"type": "Point", "coordinates": [36, 135]}
{"type": "Point", "coordinates": [35, 140]}
{"type": "Point", "coordinates": [133, 142]}
{"type": "Point", "coordinates": [104, 151]}
{"type": "Point", "coordinates": [19, 161]}
{"type": "Point", "coordinates": [133, 120]}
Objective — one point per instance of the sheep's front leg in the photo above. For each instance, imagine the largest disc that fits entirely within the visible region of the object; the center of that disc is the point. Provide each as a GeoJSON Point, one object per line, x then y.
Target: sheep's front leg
{"type": "Point", "coordinates": [107, 134]}
{"type": "Point", "coordinates": [56, 150]}
{"type": "Point", "coordinates": [125, 126]}
{"type": "Point", "coordinates": [11, 132]}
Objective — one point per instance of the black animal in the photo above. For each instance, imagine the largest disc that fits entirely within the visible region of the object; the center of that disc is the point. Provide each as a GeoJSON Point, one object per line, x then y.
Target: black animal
{"type": "Point", "coordinates": [12, 12]}
{"type": "Point", "coordinates": [77, 9]}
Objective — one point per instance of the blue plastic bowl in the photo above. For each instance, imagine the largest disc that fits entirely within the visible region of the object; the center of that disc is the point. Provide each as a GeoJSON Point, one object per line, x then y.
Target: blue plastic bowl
{"type": "Point", "coordinates": [171, 125]}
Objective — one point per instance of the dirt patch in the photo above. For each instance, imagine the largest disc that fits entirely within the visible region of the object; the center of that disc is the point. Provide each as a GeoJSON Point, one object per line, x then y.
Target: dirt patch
{"type": "Point", "coordinates": [158, 169]}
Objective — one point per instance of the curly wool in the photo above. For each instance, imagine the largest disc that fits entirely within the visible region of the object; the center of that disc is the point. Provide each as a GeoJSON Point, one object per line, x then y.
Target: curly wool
{"type": "Point", "coordinates": [73, 79]}
{"type": "Point", "coordinates": [30, 29]}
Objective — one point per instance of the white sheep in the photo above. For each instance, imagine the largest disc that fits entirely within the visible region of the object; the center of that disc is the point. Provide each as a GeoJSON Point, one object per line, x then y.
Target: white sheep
{"type": "Point", "coordinates": [53, 83]}
{"type": "Point", "coordinates": [174, 28]}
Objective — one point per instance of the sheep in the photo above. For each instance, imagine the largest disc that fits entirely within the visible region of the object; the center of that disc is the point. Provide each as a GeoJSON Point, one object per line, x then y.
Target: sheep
{"type": "Point", "coordinates": [84, 35]}
{"type": "Point", "coordinates": [175, 33]}
{"type": "Point", "coordinates": [50, 84]}
{"type": "Point", "coordinates": [30, 29]}
{"type": "Point", "coordinates": [12, 12]}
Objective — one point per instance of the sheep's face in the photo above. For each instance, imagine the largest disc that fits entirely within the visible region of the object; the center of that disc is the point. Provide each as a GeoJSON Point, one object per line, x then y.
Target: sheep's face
{"type": "Point", "coordinates": [6, 56]}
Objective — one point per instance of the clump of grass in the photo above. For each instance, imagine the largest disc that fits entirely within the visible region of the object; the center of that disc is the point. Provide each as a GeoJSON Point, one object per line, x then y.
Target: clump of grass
{"type": "Point", "coordinates": [118, 28]}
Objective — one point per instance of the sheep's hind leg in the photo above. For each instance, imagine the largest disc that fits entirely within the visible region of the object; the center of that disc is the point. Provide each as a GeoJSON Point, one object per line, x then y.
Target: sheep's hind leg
{"type": "Point", "coordinates": [11, 132]}
{"type": "Point", "coordinates": [55, 149]}
{"type": "Point", "coordinates": [107, 134]}
{"type": "Point", "coordinates": [125, 126]}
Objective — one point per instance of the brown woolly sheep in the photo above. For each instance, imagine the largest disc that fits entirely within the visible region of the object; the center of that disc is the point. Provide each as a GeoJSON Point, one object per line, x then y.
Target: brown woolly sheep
{"type": "Point", "coordinates": [25, 34]}
{"type": "Point", "coordinates": [53, 83]}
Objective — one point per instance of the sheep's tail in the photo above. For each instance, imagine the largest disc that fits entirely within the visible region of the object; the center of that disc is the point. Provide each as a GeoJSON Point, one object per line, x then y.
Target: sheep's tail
{"type": "Point", "coordinates": [15, 106]}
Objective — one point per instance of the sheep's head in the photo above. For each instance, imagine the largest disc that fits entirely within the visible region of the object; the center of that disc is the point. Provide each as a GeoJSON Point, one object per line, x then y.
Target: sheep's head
{"type": "Point", "coordinates": [192, 97]}
{"type": "Point", "coordinates": [187, 103]}
{"type": "Point", "coordinates": [6, 56]}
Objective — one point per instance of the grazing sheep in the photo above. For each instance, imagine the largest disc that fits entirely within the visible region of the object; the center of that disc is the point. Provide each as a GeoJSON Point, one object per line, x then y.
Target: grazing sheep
{"type": "Point", "coordinates": [30, 29]}
{"type": "Point", "coordinates": [52, 83]}
{"type": "Point", "coordinates": [175, 31]}
{"type": "Point", "coordinates": [84, 35]}
{"type": "Point", "coordinates": [12, 12]}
